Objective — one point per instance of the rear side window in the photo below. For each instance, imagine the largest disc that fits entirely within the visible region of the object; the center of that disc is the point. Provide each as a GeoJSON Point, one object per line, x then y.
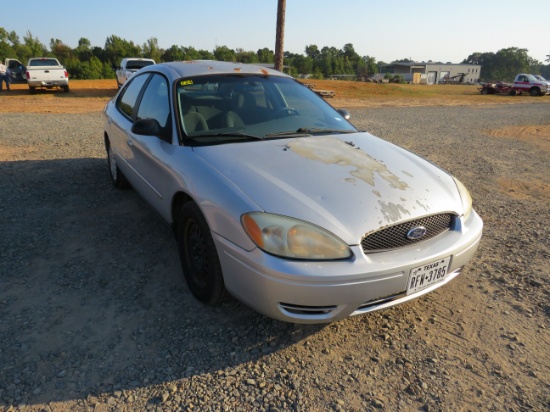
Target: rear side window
{"type": "Point", "coordinates": [127, 101]}
{"type": "Point", "coordinates": [44, 62]}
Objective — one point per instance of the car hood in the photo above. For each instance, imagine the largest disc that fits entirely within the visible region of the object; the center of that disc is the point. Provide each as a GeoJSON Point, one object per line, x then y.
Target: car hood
{"type": "Point", "coordinates": [348, 184]}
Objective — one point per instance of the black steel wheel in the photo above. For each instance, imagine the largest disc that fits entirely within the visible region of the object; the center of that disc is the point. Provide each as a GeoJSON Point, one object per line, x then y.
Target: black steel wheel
{"type": "Point", "coordinates": [198, 255]}
{"type": "Point", "coordinates": [534, 91]}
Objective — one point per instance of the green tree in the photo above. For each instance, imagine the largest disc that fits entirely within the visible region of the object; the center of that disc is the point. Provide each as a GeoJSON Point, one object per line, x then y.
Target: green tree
{"type": "Point", "coordinates": [60, 50]}
{"type": "Point", "coordinates": [370, 65]}
{"type": "Point", "coordinates": [224, 53]}
{"type": "Point", "coordinates": [502, 65]}
{"type": "Point", "coordinates": [6, 49]}
{"type": "Point", "coordinates": [300, 64]}
{"type": "Point", "coordinates": [117, 48]}
{"type": "Point", "coordinates": [32, 47]}
{"type": "Point", "coordinates": [247, 57]}
{"type": "Point", "coordinates": [151, 49]}
{"type": "Point", "coordinates": [512, 61]}
{"type": "Point", "coordinates": [265, 55]}
{"type": "Point", "coordinates": [173, 54]}
{"type": "Point", "coordinates": [313, 52]}
{"type": "Point", "coordinates": [84, 50]}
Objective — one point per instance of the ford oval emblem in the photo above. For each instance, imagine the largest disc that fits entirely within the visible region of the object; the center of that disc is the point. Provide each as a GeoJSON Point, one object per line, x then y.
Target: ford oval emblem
{"type": "Point", "coordinates": [416, 233]}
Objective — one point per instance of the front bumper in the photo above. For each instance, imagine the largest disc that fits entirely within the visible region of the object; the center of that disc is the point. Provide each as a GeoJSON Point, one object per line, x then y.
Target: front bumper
{"type": "Point", "coordinates": [321, 292]}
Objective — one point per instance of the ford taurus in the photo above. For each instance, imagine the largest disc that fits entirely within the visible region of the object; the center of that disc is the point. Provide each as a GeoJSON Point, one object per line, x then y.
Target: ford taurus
{"type": "Point", "coordinates": [277, 199]}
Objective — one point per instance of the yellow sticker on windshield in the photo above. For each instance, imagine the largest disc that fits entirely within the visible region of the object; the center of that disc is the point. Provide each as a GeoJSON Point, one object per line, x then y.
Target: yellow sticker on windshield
{"type": "Point", "coordinates": [186, 82]}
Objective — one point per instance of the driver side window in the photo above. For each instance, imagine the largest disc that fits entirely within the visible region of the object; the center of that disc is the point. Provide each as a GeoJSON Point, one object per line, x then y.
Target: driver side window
{"type": "Point", "coordinates": [155, 103]}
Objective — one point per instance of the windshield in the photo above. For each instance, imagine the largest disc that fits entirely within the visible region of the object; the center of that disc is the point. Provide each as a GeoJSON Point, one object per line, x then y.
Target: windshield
{"type": "Point", "coordinates": [138, 64]}
{"type": "Point", "coordinates": [221, 108]}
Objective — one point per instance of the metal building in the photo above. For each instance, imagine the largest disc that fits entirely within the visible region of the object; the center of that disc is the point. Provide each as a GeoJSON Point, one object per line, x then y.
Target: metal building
{"type": "Point", "coordinates": [434, 73]}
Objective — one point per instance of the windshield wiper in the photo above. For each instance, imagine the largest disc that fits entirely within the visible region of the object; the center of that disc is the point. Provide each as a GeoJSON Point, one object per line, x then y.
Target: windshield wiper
{"type": "Point", "coordinates": [293, 133]}
{"type": "Point", "coordinates": [308, 131]}
{"type": "Point", "coordinates": [231, 134]}
{"type": "Point", "coordinates": [320, 130]}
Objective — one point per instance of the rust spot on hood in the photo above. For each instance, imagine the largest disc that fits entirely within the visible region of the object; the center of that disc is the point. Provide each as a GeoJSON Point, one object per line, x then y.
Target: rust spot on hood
{"type": "Point", "coordinates": [264, 71]}
{"type": "Point", "coordinates": [237, 69]}
{"type": "Point", "coordinates": [333, 151]}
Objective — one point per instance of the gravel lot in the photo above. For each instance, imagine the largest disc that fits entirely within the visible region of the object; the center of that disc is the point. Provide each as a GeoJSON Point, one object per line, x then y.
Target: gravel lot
{"type": "Point", "coordinates": [95, 315]}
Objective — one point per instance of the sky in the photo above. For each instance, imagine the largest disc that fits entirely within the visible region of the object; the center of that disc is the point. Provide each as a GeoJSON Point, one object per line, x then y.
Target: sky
{"type": "Point", "coordinates": [420, 30]}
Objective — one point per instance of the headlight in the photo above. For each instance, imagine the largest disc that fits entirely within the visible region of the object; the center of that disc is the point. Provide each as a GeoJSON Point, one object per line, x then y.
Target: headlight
{"type": "Point", "coordinates": [466, 198]}
{"type": "Point", "coordinates": [293, 238]}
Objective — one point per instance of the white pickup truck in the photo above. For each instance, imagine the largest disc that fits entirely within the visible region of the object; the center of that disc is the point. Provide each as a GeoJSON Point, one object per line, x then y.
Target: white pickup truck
{"type": "Point", "coordinates": [528, 83]}
{"type": "Point", "coordinates": [46, 72]}
{"type": "Point", "coordinates": [128, 67]}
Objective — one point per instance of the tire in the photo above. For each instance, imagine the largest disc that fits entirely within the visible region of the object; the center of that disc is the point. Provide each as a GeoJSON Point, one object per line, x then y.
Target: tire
{"type": "Point", "coordinates": [484, 91]}
{"type": "Point", "coordinates": [513, 92]}
{"type": "Point", "coordinates": [66, 89]}
{"type": "Point", "coordinates": [199, 258]}
{"type": "Point", "coordinates": [32, 89]}
{"type": "Point", "coordinates": [534, 91]}
{"type": "Point", "coordinates": [117, 177]}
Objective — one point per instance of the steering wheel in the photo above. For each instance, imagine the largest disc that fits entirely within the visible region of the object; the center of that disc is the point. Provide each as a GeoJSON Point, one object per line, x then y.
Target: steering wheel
{"type": "Point", "coordinates": [285, 111]}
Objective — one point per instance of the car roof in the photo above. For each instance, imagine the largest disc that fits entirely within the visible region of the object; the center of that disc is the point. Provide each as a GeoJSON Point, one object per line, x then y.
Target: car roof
{"type": "Point", "coordinates": [204, 67]}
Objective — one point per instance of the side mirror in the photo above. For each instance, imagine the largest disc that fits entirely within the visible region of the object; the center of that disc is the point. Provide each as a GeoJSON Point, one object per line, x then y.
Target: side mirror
{"type": "Point", "coordinates": [147, 127]}
{"type": "Point", "coordinates": [345, 114]}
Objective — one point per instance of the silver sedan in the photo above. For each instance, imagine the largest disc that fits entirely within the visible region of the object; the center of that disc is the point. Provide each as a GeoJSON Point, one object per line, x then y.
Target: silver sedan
{"type": "Point", "coordinates": [276, 198]}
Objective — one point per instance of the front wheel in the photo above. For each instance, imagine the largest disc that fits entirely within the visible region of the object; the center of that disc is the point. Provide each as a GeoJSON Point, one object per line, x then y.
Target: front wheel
{"type": "Point", "coordinates": [534, 91]}
{"type": "Point", "coordinates": [198, 255]}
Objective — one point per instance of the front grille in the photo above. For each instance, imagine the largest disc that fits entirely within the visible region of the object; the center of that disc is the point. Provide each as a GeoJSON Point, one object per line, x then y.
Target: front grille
{"type": "Point", "coordinates": [393, 237]}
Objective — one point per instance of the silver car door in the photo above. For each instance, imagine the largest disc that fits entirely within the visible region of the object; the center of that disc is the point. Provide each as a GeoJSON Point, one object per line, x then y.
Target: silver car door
{"type": "Point", "coordinates": [149, 151]}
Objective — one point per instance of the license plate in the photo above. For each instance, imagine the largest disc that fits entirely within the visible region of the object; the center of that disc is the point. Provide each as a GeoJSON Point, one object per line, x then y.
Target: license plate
{"type": "Point", "coordinates": [427, 275]}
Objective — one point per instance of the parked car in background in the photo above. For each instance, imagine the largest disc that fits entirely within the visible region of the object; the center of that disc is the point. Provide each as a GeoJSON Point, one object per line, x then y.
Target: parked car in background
{"type": "Point", "coordinates": [276, 198]}
{"type": "Point", "coordinates": [128, 67]}
{"type": "Point", "coordinates": [528, 83]}
{"type": "Point", "coordinates": [46, 73]}
{"type": "Point", "coordinates": [16, 71]}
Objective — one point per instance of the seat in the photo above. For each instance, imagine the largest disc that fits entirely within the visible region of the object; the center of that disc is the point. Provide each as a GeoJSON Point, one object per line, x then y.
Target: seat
{"type": "Point", "coordinates": [232, 119]}
{"type": "Point", "coordinates": [194, 122]}
{"type": "Point", "coordinates": [246, 107]}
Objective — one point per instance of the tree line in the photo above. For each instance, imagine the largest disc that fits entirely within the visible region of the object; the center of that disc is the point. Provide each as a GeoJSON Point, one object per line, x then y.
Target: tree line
{"type": "Point", "coordinates": [93, 62]}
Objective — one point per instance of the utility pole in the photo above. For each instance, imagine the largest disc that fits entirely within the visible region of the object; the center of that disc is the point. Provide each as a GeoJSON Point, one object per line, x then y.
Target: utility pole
{"type": "Point", "coordinates": [280, 35]}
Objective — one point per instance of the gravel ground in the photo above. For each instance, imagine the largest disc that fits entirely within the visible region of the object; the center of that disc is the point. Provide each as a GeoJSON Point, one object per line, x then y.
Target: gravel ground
{"type": "Point", "coordinates": [95, 315]}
